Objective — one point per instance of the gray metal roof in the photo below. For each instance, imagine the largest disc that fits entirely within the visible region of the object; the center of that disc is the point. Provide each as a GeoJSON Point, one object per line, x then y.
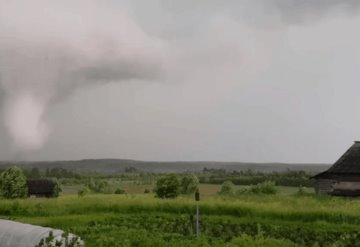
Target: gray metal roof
{"type": "Point", "coordinates": [15, 234]}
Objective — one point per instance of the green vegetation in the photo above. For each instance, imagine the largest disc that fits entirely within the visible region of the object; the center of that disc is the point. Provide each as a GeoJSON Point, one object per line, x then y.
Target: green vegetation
{"type": "Point", "coordinates": [167, 187]}
{"type": "Point", "coordinates": [149, 209]}
{"type": "Point", "coordinates": [99, 186]}
{"type": "Point", "coordinates": [249, 177]}
{"type": "Point", "coordinates": [227, 188]}
{"type": "Point", "coordinates": [261, 188]}
{"type": "Point", "coordinates": [189, 184]}
{"type": "Point", "coordinates": [143, 220]}
{"type": "Point", "coordinates": [65, 241]}
{"type": "Point", "coordinates": [120, 191]}
{"type": "Point", "coordinates": [13, 183]}
{"type": "Point", "coordinates": [113, 166]}
{"type": "Point", "coordinates": [83, 191]}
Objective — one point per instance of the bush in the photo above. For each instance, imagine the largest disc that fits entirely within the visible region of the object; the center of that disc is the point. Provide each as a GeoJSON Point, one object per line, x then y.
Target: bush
{"type": "Point", "coordinates": [83, 191]}
{"type": "Point", "coordinates": [13, 183]}
{"type": "Point", "coordinates": [99, 186]}
{"type": "Point", "coordinates": [189, 184]}
{"type": "Point", "coordinates": [259, 241]}
{"type": "Point", "coordinates": [261, 188]}
{"type": "Point", "coordinates": [227, 188]}
{"type": "Point", "coordinates": [66, 240]}
{"type": "Point", "coordinates": [57, 188]}
{"type": "Point", "coordinates": [264, 188]}
{"type": "Point", "coordinates": [120, 191]}
{"type": "Point", "coordinates": [167, 187]}
{"type": "Point", "coordinates": [302, 192]}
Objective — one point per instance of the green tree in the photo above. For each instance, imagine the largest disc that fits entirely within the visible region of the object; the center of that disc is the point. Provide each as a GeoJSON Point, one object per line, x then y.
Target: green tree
{"type": "Point", "coordinates": [264, 188]}
{"type": "Point", "coordinates": [120, 191]}
{"type": "Point", "coordinates": [83, 191]}
{"type": "Point", "coordinates": [189, 184]}
{"type": "Point", "coordinates": [47, 172]}
{"type": "Point", "coordinates": [99, 186]}
{"type": "Point", "coordinates": [167, 187]}
{"type": "Point", "coordinates": [13, 183]}
{"type": "Point", "coordinates": [57, 188]}
{"type": "Point", "coordinates": [227, 188]}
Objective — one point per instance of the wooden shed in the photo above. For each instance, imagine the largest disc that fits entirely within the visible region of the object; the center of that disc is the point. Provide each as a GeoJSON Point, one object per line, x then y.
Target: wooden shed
{"type": "Point", "coordinates": [343, 178]}
{"type": "Point", "coordinates": [43, 187]}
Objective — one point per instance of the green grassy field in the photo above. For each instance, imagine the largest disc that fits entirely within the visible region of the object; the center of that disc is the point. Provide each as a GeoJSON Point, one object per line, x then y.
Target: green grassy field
{"type": "Point", "coordinates": [285, 219]}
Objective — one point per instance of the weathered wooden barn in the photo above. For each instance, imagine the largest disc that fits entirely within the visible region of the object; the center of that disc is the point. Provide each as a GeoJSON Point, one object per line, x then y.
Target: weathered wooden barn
{"type": "Point", "coordinates": [343, 178]}
{"type": "Point", "coordinates": [43, 187]}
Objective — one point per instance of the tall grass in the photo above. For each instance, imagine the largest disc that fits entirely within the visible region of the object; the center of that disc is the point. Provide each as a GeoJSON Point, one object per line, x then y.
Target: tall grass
{"type": "Point", "coordinates": [306, 209]}
{"type": "Point", "coordinates": [305, 220]}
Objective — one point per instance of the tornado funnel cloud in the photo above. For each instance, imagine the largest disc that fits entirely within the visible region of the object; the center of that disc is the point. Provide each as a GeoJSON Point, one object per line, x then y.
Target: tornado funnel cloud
{"type": "Point", "coordinates": [24, 121]}
{"type": "Point", "coordinates": [54, 48]}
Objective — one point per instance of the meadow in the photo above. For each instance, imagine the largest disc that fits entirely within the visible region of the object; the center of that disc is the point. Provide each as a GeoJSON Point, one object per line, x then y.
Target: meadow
{"type": "Point", "coordinates": [288, 218]}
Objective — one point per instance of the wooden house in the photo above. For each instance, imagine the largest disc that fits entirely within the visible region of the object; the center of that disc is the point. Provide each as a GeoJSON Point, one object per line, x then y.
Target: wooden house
{"type": "Point", "coordinates": [43, 188]}
{"type": "Point", "coordinates": [343, 178]}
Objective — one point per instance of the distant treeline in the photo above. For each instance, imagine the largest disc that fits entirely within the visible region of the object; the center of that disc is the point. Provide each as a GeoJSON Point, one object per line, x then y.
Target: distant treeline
{"type": "Point", "coordinates": [56, 172]}
{"type": "Point", "coordinates": [289, 178]}
{"type": "Point", "coordinates": [111, 166]}
{"type": "Point", "coordinates": [206, 176]}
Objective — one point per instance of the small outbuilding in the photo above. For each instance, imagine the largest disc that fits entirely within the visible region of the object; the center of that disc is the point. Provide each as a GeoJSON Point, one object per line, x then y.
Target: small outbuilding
{"type": "Point", "coordinates": [43, 187]}
{"type": "Point", "coordinates": [343, 178]}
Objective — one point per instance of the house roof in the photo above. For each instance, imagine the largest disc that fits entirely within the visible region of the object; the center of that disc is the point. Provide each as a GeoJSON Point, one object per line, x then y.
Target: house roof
{"type": "Point", "coordinates": [348, 165]}
{"type": "Point", "coordinates": [41, 186]}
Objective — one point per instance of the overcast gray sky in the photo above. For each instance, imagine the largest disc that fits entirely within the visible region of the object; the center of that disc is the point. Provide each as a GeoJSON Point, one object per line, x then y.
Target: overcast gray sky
{"type": "Point", "coordinates": [243, 80]}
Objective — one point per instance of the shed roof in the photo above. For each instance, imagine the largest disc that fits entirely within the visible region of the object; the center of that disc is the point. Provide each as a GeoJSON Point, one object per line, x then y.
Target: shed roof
{"type": "Point", "coordinates": [41, 186]}
{"type": "Point", "coordinates": [348, 165]}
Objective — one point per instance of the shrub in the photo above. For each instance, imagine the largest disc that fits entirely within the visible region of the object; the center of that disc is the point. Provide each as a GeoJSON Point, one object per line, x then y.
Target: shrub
{"type": "Point", "coordinates": [167, 187]}
{"type": "Point", "coordinates": [83, 191]}
{"type": "Point", "coordinates": [13, 183]}
{"type": "Point", "coordinates": [66, 240]}
{"type": "Point", "coordinates": [264, 188]}
{"type": "Point", "coordinates": [227, 188]}
{"type": "Point", "coordinates": [120, 191]}
{"type": "Point", "coordinates": [189, 184]}
{"type": "Point", "coordinates": [302, 192]}
{"type": "Point", "coordinates": [99, 186]}
{"type": "Point", "coordinates": [259, 241]}
{"type": "Point", "coordinates": [57, 188]}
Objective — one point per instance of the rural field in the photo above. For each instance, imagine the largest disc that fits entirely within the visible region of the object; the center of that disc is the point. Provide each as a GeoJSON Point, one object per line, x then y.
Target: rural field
{"type": "Point", "coordinates": [291, 217]}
